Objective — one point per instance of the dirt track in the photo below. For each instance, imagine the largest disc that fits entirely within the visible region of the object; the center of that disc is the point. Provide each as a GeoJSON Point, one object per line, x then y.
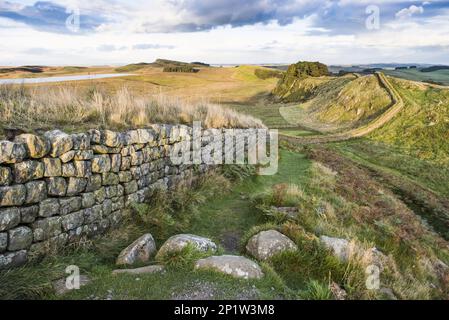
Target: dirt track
{"type": "Point", "coordinates": [396, 106]}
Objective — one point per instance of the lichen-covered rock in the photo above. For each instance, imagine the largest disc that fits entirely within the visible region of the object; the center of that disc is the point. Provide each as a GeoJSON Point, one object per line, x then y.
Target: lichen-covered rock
{"type": "Point", "coordinates": [130, 187]}
{"type": "Point", "coordinates": [28, 170]}
{"type": "Point", "coordinates": [146, 136]}
{"type": "Point", "coordinates": [266, 244]}
{"type": "Point", "coordinates": [82, 169]}
{"type": "Point", "coordinates": [68, 170]}
{"type": "Point", "coordinates": [60, 142]}
{"type": "Point", "coordinates": [87, 200]}
{"type": "Point", "coordinates": [236, 266]}
{"type": "Point", "coordinates": [81, 141]}
{"type": "Point", "coordinates": [140, 250]}
{"type": "Point", "coordinates": [143, 270]}
{"type": "Point", "coordinates": [72, 220]}
{"type": "Point", "coordinates": [36, 192]}
{"type": "Point", "coordinates": [13, 259]}
{"type": "Point", "coordinates": [111, 139]}
{"type": "Point", "coordinates": [339, 247]}
{"type": "Point", "coordinates": [69, 205]}
{"type": "Point", "coordinates": [125, 176]}
{"type": "Point", "coordinates": [81, 155]}
{"type": "Point", "coordinates": [11, 152]}
{"type": "Point", "coordinates": [178, 242]}
{"type": "Point", "coordinates": [75, 186]}
{"type": "Point", "coordinates": [95, 136]}
{"type": "Point", "coordinates": [29, 214]}
{"type": "Point", "coordinates": [110, 179]}
{"type": "Point", "coordinates": [101, 164]}
{"type": "Point", "coordinates": [20, 238]}
{"type": "Point", "coordinates": [68, 156]}
{"type": "Point", "coordinates": [3, 241]}
{"type": "Point", "coordinates": [60, 286]}
{"type": "Point", "coordinates": [5, 176]}
{"type": "Point", "coordinates": [100, 195]}
{"type": "Point", "coordinates": [37, 147]}
{"type": "Point", "coordinates": [93, 183]}
{"type": "Point", "coordinates": [52, 167]}
{"type": "Point", "coordinates": [12, 195]}
{"type": "Point", "coordinates": [49, 207]}
{"type": "Point", "coordinates": [57, 186]}
{"type": "Point", "coordinates": [47, 246]}
{"type": "Point", "coordinates": [46, 228]}
{"type": "Point", "coordinates": [116, 161]}
{"type": "Point", "coordinates": [9, 218]}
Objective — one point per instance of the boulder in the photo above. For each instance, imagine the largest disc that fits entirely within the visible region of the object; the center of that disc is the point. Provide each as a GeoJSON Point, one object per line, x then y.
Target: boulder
{"type": "Point", "coordinates": [28, 170]}
{"type": "Point", "coordinates": [139, 251]}
{"type": "Point", "coordinates": [236, 266]}
{"type": "Point", "coordinates": [68, 156]}
{"type": "Point", "coordinates": [12, 195]}
{"type": "Point", "coordinates": [75, 186]}
{"type": "Point", "coordinates": [144, 270]}
{"type": "Point", "coordinates": [60, 142]}
{"type": "Point", "coordinates": [37, 147]}
{"type": "Point", "coordinates": [49, 207]}
{"type": "Point", "coordinates": [13, 259]}
{"type": "Point", "coordinates": [9, 218]}
{"type": "Point", "coordinates": [101, 163]}
{"type": "Point", "coordinates": [339, 247]}
{"type": "Point", "coordinates": [266, 244]}
{"type": "Point", "coordinates": [36, 192]}
{"type": "Point", "coordinates": [60, 286]}
{"type": "Point", "coordinates": [81, 141]}
{"type": "Point", "coordinates": [11, 152]}
{"type": "Point", "coordinates": [52, 167]}
{"type": "Point", "coordinates": [20, 238]}
{"type": "Point", "coordinates": [57, 186]}
{"type": "Point", "coordinates": [178, 242]}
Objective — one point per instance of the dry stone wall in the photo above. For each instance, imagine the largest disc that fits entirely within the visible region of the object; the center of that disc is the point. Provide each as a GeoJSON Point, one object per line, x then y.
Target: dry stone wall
{"type": "Point", "coordinates": [58, 188]}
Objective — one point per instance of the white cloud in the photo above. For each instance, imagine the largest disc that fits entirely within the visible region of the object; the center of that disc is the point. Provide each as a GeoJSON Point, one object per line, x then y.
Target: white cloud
{"type": "Point", "coordinates": [410, 11]}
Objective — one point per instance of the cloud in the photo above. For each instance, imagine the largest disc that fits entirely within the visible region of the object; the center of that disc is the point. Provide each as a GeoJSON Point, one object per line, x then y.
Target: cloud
{"type": "Point", "coordinates": [110, 47]}
{"type": "Point", "coordinates": [47, 16]}
{"type": "Point", "coordinates": [145, 46]}
{"type": "Point", "coordinates": [410, 11]}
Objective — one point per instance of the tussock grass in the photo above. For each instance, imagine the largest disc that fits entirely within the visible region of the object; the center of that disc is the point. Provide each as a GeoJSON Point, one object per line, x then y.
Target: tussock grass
{"type": "Point", "coordinates": [74, 108]}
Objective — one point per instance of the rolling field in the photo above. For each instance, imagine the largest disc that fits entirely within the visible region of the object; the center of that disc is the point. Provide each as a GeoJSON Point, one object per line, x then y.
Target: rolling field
{"type": "Point", "coordinates": [438, 77]}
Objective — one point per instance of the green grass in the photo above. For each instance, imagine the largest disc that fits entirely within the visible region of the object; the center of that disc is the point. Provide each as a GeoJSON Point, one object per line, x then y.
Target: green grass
{"type": "Point", "coordinates": [440, 76]}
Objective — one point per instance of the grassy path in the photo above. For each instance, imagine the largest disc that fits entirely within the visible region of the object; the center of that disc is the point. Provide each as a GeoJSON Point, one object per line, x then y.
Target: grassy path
{"type": "Point", "coordinates": [396, 106]}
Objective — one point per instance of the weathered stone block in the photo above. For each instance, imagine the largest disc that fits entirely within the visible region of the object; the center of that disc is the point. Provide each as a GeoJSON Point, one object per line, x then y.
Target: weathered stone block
{"type": "Point", "coordinates": [120, 190]}
{"type": "Point", "coordinates": [110, 191]}
{"type": "Point", "coordinates": [57, 186]}
{"type": "Point", "coordinates": [36, 146]}
{"type": "Point", "coordinates": [110, 178]}
{"type": "Point", "coordinates": [12, 195]}
{"type": "Point", "coordinates": [93, 183]}
{"type": "Point", "coordinates": [126, 163]}
{"type": "Point", "coordinates": [125, 176]}
{"type": "Point", "coordinates": [95, 136]}
{"type": "Point", "coordinates": [81, 141]}
{"type": "Point", "coordinates": [20, 238]}
{"type": "Point", "coordinates": [60, 142]}
{"type": "Point", "coordinates": [36, 191]}
{"type": "Point", "coordinates": [130, 187]}
{"type": "Point", "coordinates": [111, 139]}
{"type": "Point", "coordinates": [11, 152]}
{"type": "Point", "coordinates": [136, 158]}
{"type": "Point", "coordinates": [13, 259]}
{"type": "Point", "coordinates": [82, 169]}
{"type": "Point", "coordinates": [68, 156]}
{"type": "Point", "coordinates": [100, 195]}
{"type": "Point", "coordinates": [107, 207]}
{"type": "Point", "coordinates": [49, 207]}
{"type": "Point", "coordinates": [116, 161]}
{"type": "Point", "coordinates": [46, 228]}
{"type": "Point", "coordinates": [9, 218]}
{"type": "Point", "coordinates": [69, 205]}
{"type": "Point", "coordinates": [28, 170]}
{"type": "Point", "coordinates": [84, 155]}
{"type": "Point", "coordinates": [5, 176]}
{"type": "Point", "coordinates": [52, 167]}
{"type": "Point", "coordinates": [68, 170]}
{"type": "Point", "coordinates": [146, 135]}
{"type": "Point", "coordinates": [3, 241]}
{"type": "Point", "coordinates": [75, 186]}
{"type": "Point", "coordinates": [136, 173]}
{"type": "Point", "coordinates": [29, 214]}
{"type": "Point", "coordinates": [72, 220]}
{"type": "Point", "coordinates": [48, 246]}
{"type": "Point", "coordinates": [93, 214]}
{"type": "Point", "coordinates": [101, 164]}
{"type": "Point", "coordinates": [88, 200]}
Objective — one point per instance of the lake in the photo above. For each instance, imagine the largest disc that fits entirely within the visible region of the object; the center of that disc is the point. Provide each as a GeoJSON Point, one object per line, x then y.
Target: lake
{"type": "Point", "coordinates": [62, 78]}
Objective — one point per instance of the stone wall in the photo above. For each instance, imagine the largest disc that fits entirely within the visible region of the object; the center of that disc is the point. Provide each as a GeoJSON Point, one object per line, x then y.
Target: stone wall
{"type": "Point", "coordinates": [58, 188]}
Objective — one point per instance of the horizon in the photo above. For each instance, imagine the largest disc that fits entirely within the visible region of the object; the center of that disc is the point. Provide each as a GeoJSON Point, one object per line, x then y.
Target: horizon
{"type": "Point", "coordinates": [340, 32]}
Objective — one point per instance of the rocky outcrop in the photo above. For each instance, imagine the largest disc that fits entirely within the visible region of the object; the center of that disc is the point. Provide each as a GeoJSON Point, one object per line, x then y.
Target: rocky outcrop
{"type": "Point", "coordinates": [339, 247]}
{"type": "Point", "coordinates": [237, 266]}
{"type": "Point", "coordinates": [178, 242]}
{"type": "Point", "coordinates": [143, 270]}
{"type": "Point", "coordinates": [266, 244]}
{"type": "Point", "coordinates": [140, 251]}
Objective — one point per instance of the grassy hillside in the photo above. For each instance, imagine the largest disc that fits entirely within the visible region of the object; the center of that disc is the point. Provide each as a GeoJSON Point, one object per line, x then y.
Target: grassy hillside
{"type": "Point", "coordinates": [422, 127]}
{"type": "Point", "coordinates": [440, 76]}
{"type": "Point", "coordinates": [339, 103]}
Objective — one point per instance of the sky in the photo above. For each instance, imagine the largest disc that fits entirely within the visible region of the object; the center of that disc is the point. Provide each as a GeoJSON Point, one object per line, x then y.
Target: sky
{"type": "Point", "coordinates": [101, 32]}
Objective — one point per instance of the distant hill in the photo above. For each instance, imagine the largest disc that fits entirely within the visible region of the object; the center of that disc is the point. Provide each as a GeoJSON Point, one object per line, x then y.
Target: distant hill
{"type": "Point", "coordinates": [435, 68]}
{"type": "Point", "coordinates": [31, 69]}
{"type": "Point", "coordinates": [162, 63]}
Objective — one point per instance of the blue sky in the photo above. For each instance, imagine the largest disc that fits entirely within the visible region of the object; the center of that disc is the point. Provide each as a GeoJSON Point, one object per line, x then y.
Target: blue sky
{"type": "Point", "coordinates": [223, 31]}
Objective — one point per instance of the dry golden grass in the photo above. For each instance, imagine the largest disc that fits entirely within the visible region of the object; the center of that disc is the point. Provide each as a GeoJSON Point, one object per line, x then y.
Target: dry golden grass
{"type": "Point", "coordinates": [73, 108]}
